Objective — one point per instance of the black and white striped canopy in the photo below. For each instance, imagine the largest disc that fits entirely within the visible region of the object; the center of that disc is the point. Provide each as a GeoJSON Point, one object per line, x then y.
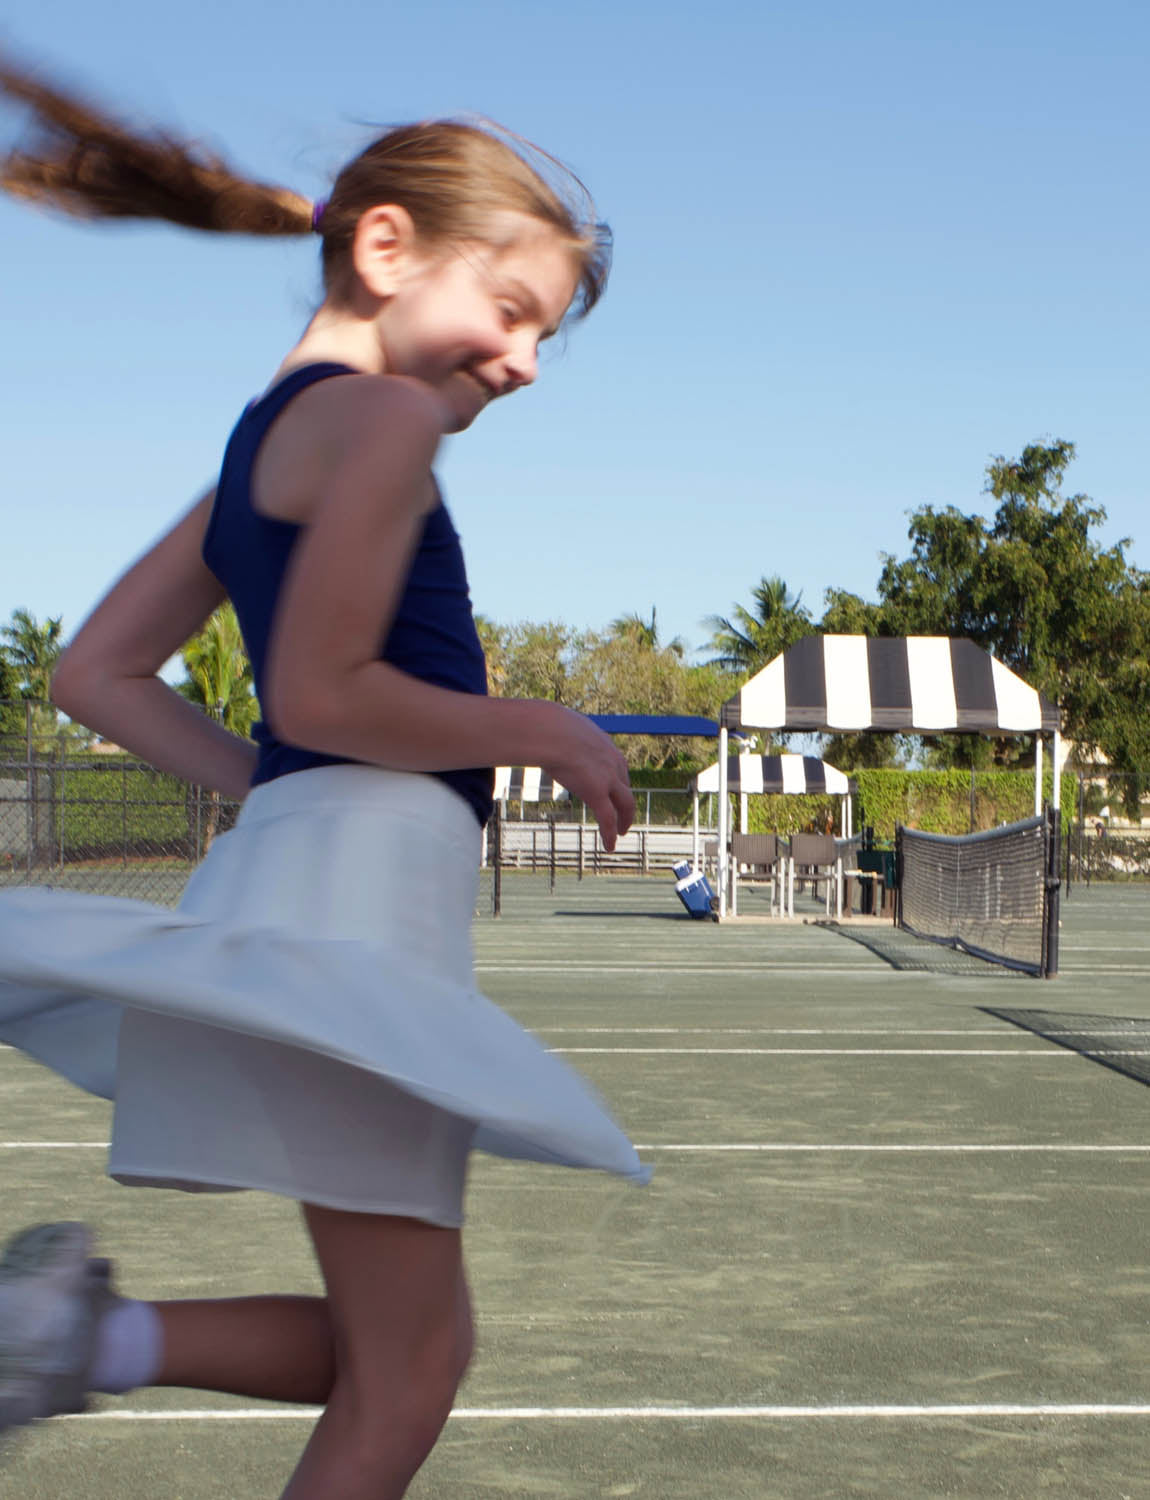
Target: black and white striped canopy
{"type": "Point", "coordinates": [911, 684]}
{"type": "Point", "coordinates": [774, 773]}
{"type": "Point", "coordinates": [526, 784]}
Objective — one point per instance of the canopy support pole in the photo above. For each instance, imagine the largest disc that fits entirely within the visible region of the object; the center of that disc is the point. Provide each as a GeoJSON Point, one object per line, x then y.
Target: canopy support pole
{"type": "Point", "coordinates": [723, 819]}
{"type": "Point", "coordinates": [695, 832]}
{"type": "Point", "coordinates": [1038, 772]}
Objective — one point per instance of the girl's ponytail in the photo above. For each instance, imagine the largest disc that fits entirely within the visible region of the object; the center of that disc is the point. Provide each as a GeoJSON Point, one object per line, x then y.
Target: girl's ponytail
{"type": "Point", "coordinates": [81, 162]}
{"type": "Point", "coordinates": [453, 177]}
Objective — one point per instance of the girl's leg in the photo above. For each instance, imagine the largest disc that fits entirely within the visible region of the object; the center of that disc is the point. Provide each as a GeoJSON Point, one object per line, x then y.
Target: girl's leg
{"type": "Point", "coordinates": [402, 1332]}
{"type": "Point", "coordinates": [276, 1348]}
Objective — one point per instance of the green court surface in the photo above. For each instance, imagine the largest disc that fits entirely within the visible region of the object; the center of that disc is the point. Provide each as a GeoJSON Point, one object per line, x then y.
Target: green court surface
{"type": "Point", "coordinates": [894, 1246]}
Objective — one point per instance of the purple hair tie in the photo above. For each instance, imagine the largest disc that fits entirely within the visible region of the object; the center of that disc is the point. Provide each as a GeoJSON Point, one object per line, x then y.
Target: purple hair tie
{"type": "Point", "coordinates": [318, 209]}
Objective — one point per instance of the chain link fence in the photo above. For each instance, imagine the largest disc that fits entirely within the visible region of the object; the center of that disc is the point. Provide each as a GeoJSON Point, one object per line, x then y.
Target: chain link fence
{"type": "Point", "coordinates": [1106, 833]}
{"type": "Point", "coordinates": [84, 815]}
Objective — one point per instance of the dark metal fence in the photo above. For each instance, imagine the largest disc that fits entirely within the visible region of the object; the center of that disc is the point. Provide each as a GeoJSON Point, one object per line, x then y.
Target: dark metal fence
{"type": "Point", "coordinates": [79, 813]}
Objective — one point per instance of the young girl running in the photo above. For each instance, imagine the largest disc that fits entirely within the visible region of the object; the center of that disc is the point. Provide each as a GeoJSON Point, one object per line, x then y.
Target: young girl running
{"type": "Point", "coordinates": [306, 1022]}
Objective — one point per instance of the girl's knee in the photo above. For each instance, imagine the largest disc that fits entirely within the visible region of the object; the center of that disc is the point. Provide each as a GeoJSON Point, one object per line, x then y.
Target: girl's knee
{"type": "Point", "coordinates": [416, 1383]}
{"type": "Point", "coordinates": [392, 1411]}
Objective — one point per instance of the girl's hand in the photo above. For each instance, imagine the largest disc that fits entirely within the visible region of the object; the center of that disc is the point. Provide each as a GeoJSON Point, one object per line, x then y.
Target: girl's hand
{"type": "Point", "coordinates": [589, 764]}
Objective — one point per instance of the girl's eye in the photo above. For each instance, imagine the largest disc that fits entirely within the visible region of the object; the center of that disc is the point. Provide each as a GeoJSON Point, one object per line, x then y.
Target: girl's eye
{"type": "Point", "coordinates": [509, 313]}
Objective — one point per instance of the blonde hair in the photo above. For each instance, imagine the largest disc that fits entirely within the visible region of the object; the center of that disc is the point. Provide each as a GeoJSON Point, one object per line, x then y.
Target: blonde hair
{"type": "Point", "coordinates": [453, 177]}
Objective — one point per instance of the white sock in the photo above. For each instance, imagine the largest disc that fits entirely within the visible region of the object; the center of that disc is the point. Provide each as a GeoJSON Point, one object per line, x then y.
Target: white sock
{"type": "Point", "coordinates": [129, 1347]}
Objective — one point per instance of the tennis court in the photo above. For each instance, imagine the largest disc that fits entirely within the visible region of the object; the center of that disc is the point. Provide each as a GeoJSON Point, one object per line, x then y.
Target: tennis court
{"type": "Point", "coordinates": [894, 1246]}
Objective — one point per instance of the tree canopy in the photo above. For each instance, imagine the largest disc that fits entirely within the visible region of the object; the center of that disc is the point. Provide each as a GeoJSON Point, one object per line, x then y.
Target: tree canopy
{"type": "Point", "coordinates": [1033, 584]}
{"type": "Point", "coordinates": [219, 674]}
{"type": "Point", "coordinates": [751, 638]}
{"type": "Point", "coordinates": [1036, 588]}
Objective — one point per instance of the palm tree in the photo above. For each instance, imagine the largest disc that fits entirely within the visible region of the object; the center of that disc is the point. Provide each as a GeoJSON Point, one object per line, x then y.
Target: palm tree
{"type": "Point", "coordinates": [493, 639]}
{"type": "Point", "coordinates": [219, 673]}
{"type": "Point", "coordinates": [645, 633]}
{"type": "Point", "coordinates": [32, 650]}
{"type": "Point", "coordinates": [752, 638]}
{"type": "Point", "coordinates": [220, 681]}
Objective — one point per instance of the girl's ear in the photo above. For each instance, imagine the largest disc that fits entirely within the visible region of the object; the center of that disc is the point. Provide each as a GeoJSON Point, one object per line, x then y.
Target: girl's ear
{"type": "Point", "coordinates": [383, 248]}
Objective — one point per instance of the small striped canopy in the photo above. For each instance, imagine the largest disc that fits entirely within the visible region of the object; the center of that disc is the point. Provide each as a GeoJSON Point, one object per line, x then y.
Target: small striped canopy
{"type": "Point", "coordinates": [910, 684]}
{"type": "Point", "coordinates": [526, 784]}
{"type": "Point", "coordinates": [774, 773]}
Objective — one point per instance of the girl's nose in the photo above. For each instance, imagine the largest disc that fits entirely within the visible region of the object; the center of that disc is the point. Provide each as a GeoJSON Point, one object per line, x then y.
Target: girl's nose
{"type": "Point", "coordinates": [522, 362]}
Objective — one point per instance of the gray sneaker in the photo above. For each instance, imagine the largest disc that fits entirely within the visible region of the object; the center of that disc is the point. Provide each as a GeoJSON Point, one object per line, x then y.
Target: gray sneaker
{"type": "Point", "coordinates": [51, 1299]}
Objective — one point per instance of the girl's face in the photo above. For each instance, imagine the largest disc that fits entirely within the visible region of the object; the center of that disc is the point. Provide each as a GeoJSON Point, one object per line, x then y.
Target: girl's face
{"type": "Point", "coordinates": [468, 319]}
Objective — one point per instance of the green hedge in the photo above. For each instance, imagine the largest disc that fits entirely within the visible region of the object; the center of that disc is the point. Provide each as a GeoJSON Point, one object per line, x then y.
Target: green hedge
{"type": "Point", "coordinates": [935, 801]}
{"type": "Point", "coordinates": [791, 813]}
{"type": "Point", "coordinates": [940, 801]}
{"type": "Point", "coordinates": [108, 804]}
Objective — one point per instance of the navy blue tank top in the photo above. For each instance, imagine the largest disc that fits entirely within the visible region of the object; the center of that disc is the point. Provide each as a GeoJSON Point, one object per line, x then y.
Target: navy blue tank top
{"type": "Point", "coordinates": [432, 636]}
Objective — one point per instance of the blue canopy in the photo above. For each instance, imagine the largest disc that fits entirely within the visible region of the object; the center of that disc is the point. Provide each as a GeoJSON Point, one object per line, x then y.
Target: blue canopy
{"type": "Point", "coordinates": [662, 724]}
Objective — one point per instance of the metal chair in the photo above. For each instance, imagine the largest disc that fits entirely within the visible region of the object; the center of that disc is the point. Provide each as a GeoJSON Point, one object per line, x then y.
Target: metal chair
{"type": "Point", "coordinates": [817, 858]}
{"type": "Point", "coordinates": [764, 855]}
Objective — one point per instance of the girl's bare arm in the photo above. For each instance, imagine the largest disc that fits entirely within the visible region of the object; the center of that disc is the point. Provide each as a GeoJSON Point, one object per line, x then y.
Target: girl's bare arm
{"type": "Point", "coordinates": [326, 687]}
{"type": "Point", "coordinates": [107, 678]}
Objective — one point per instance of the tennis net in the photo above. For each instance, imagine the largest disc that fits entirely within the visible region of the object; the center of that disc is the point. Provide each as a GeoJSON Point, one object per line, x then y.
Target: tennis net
{"type": "Point", "coordinates": [987, 893]}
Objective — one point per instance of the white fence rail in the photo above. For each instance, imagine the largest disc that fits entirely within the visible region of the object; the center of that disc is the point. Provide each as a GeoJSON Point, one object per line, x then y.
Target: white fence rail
{"type": "Point", "coordinates": [540, 843]}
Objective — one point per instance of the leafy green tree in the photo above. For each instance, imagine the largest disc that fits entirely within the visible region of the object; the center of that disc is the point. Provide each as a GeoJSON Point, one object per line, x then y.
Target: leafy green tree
{"type": "Point", "coordinates": [493, 639]}
{"type": "Point", "coordinates": [538, 660]}
{"type": "Point", "coordinates": [620, 672]}
{"type": "Point", "coordinates": [849, 614]}
{"type": "Point", "coordinates": [1037, 589]}
{"type": "Point", "coordinates": [623, 669]}
{"type": "Point", "coordinates": [12, 722]}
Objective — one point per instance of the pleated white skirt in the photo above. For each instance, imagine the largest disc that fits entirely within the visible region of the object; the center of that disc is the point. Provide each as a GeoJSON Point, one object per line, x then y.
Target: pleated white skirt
{"type": "Point", "coordinates": [306, 1021]}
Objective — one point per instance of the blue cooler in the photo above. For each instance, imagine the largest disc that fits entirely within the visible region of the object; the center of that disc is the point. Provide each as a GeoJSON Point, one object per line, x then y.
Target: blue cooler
{"type": "Point", "coordinates": [694, 890]}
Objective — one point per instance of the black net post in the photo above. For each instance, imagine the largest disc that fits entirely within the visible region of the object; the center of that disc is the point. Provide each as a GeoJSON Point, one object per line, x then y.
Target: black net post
{"type": "Point", "coordinates": [497, 860]}
{"type": "Point", "coordinates": [1052, 909]}
{"type": "Point", "coordinates": [551, 821]}
{"type": "Point", "coordinates": [898, 875]}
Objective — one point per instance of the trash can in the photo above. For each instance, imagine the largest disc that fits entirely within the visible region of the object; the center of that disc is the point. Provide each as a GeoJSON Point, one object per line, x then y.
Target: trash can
{"type": "Point", "coordinates": [874, 896]}
{"type": "Point", "coordinates": [694, 890]}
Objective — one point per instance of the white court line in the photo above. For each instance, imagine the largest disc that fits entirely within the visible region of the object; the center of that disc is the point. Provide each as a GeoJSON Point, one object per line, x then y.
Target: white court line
{"type": "Point", "coordinates": [54, 1145]}
{"type": "Point", "coordinates": [856, 971]}
{"type": "Point", "coordinates": [1101, 947]}
{"type": "Point", "coordinates": [655, 968]}
{"type": "Point", "coordinates": [853, 1051]}
{"type": "Point", "coordinates": [780, 1147]}
{"type": "Point", "coordinates": [646, 1413]}
{"type": "Point", "coordinates": [1101, 969]}
{"type": "Point", "coordinates": [1000, 1031]}
{"type": "Point", "coordinates": [790, 1147]}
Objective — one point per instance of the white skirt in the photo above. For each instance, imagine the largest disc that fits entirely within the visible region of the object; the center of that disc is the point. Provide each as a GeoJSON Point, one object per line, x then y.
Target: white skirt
{"type": "Point", "coordinates": [306, 1021]}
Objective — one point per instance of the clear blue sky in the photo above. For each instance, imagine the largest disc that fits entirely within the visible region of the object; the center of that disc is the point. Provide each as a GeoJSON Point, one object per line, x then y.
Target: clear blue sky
{"type": "Point", "coordinates": [860, 249]}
